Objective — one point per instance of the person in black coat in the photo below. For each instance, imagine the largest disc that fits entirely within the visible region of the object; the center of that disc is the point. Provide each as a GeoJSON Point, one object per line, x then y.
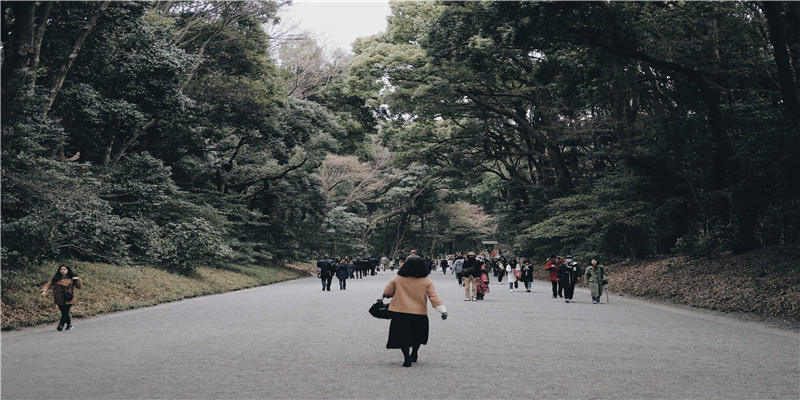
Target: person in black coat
{"type": "Point", "coordinates": [569, 273]}
{"type": "Point", "coordinates": [325, 273]}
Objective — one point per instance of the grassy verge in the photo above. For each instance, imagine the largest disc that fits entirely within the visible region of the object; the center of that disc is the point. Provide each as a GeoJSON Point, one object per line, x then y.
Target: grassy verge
{"type": "Point", "coordinates": [764, 283]}
{"type": "Point", "coordinates": [108, 288]}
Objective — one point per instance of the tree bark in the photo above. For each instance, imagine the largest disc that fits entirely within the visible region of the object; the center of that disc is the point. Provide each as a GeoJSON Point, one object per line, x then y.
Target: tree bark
{"type": "Point", "coordinates": [786, 79]}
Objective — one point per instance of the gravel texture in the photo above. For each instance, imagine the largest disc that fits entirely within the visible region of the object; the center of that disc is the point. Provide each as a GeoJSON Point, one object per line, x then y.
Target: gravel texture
{"type": "Point", "coordinates": [291, 340]}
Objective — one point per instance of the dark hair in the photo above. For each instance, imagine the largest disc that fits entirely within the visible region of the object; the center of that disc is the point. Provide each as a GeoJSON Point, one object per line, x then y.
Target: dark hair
{"type": "Point", "coordinates": [57, 276]}
{"type": "Point", "coordinates": [414, 267]}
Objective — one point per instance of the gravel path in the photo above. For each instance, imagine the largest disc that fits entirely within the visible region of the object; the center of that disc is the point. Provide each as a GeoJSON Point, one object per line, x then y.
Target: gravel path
{"type": "Point", "coordinates": [291, 340]}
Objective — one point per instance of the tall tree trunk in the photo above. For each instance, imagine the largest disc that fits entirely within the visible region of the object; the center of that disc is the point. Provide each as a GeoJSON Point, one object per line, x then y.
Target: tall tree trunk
{"type": "Point", "coordinates": [786, 79]}
{"type": "Point", "coordinates": [20, 51]}
{"type": "Point", "coordinates": [58, 82]}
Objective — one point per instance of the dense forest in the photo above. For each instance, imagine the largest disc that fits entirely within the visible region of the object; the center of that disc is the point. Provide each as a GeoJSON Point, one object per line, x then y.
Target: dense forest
{"type": "Point", "coordinates": [179, 134]}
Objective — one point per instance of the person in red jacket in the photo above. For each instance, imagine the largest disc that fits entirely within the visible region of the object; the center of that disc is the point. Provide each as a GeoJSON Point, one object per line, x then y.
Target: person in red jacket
{"type": "Point", "coordinates": [552, 267]}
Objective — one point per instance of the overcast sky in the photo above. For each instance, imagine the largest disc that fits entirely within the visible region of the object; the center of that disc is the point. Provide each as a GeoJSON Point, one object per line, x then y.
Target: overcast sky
{"type": "Point", "coordinates": [340, 22]}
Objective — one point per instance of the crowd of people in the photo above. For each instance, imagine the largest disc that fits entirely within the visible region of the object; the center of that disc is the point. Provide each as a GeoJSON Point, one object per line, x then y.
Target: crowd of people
{"type": "Point", "coordinates": [564, 273]}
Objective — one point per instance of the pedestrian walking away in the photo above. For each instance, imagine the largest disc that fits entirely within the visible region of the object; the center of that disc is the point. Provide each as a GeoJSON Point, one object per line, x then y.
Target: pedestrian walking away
{"type": "Point", "coordinates": [483, 283]}
{"type": "Point", "coordinates": [458, 268]}
{"type": "Point", "coordinates": [324, 266]}
{"type": "Point", "coordinates": [342, 273]}
{"type": "Point", "coordinates": [63, 283]}
{"type": "Point", "coordinates": [596, 277]}
{"type": "Point", "coordinates": [410, 290]}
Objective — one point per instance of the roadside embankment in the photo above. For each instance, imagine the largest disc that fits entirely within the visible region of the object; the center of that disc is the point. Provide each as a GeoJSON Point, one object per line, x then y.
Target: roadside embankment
{"type": "Point", "coordinates": [108, 288]}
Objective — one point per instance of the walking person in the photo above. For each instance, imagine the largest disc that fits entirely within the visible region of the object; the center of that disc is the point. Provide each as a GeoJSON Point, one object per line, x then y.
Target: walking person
{"type": "Point", "coordinates": [458, 268]}
{"type": "Point", "coordinates": [410, 290]}
{"type": "Point", "coordinates": [513, 272]}
{"type": "Point", "coordinates": [483, 283]}
{"type": "Point", "coordinates": [569, 273]}
{"type": "Point", "coordinates": [552, 268]}
{"type": "Point", "coordinates": [596, 277]}
{"type": "Point", "coordinates": [526, 275]}
{"type": "Point", "coordinates": [443, 264]}
{"type": "Point", "coordinates": [324, 266]}
{"type": "Point", "coordinates": [63, 284]}
{"type": "Point", "coordinates": [470, 275]}
{"type": "Point", "coordinates": [384, 263]}
{"type": "Point", "coordinates": [501, 270]}
{"type": "Point", "coordinates": [343, 272]}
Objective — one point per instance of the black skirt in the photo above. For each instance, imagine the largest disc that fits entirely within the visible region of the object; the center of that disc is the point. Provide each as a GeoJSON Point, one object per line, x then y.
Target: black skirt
{"type": "Point", "coordinates": [407, 330]}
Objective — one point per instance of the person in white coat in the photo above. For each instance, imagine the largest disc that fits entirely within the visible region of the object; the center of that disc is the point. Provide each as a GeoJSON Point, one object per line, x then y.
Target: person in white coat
{"type": "Point", "coordinates": [513, 272]}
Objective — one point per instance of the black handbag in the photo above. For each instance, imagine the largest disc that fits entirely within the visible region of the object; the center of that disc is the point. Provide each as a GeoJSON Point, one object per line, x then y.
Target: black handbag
{"type": "Point", "coordinates": [380, 310]}
{"type": "Point", "coordinates": [67, 294]}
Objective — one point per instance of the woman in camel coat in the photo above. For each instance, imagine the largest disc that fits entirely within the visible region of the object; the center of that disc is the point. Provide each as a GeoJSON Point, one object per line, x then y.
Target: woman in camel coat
{"type": "Point", "coordinates": [62, 283]}
{"type": "Point", "coordinates": [410, 290]}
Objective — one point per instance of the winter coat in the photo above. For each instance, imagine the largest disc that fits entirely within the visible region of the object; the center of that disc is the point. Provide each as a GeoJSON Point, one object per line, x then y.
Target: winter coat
{"type": "Point", "coordinates": [511, 270]}
{"type": "Point", "coordinates": [410, 295]}
{"type": "Point", "coordinates": [472, 267]}
{"type": "Point", "coordinates": [62, 286]}
{"type": "Point", "coordinates": [342, 272]}
{"type": "Point", "coordinates": [552, 268]}
{"type": "Point", "coordinates": [569, 274]}
{"type": "Point", "coordinates": [527, 273]}
{"type": "Point", "coordinates": [596, 277]}
{"type": "Point", "coordinates": [324, 267]}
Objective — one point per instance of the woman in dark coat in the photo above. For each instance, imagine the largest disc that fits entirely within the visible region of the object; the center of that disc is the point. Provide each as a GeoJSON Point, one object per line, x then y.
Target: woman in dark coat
{"type": "Point", "coordinates": [63, 283]}
{"type": "Point", "coordinates": [342, 272]}
{"type": "Point", "coordinates": [410, 290]}
{"type": "Point", "coordinates": [526, 275]}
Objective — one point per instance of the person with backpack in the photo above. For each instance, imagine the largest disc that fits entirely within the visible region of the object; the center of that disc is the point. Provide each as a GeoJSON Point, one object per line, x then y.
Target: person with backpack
{"type": "Point", "coordinates": [324, 267]}
{"type": "Point", "coordinates": [458, 268]}
{"type": "Point", "coordinates": [596, 277]}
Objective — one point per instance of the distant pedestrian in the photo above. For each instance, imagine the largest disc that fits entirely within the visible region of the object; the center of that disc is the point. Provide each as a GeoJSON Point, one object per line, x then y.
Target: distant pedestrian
{"type": "Point", "coordinates": [552, 268]}
{"type": "Point", "coordinates": [526, 275]}
{"type": "Point", "coordinates": [483, 283]}
{"type": "Point", "coordinates": [596, 277]}
{"type": "Point", "coordinates": [458, 268]}
{"type": "Point", "coordinates": [63, 283]}
{"type": "Point", "coordinates": [501, 270]}
{"type": "Point", "coordinates": [470, 275]}
{"type": "Point", "coordinates": [443, 264]}
{"type": "Point", "coordinates": [324, 266]}
{"type": "Point", "coordinates": [569, 273]}
{"type": "Point", "coordinates": [513, 272]}
{"type": "Point", "coordinates": [410, 290]}
{"type": "Point", "coordinates": [384, 263]}
{"type": "Point", "coordinates": [342, 272]}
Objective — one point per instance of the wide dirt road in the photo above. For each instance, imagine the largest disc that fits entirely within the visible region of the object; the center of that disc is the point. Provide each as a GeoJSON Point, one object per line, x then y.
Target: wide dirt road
{"type": "Point", "coordinates": [291, 340]}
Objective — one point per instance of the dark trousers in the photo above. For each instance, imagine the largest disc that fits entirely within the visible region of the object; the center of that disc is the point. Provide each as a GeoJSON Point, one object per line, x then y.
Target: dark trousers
{"type": "Point", "coordinates": [569, 289]}
{"type": "Point", "coordinates": [459, 276]}
{"type": "Point", "coordinates": [342, 284]}
{"type": "Point", "coordinates": [326, 283]}
{"type": "Point", "coordinates": [64, 308]}
{"type": "Point", "coordinates": [555, 288]}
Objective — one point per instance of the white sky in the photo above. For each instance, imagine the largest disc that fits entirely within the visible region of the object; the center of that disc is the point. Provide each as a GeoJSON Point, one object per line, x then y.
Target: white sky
{"type": "Point", "coordinates": [340, 22]}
